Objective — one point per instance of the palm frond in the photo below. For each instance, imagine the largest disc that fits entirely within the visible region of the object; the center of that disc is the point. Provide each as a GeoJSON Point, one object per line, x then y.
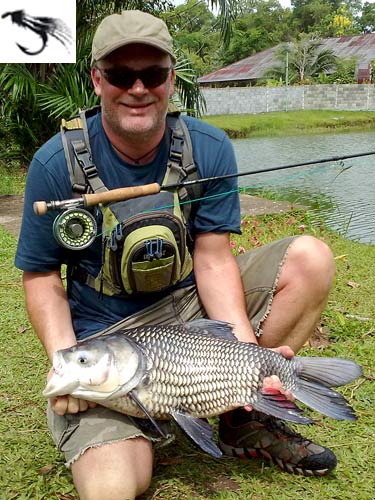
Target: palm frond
{"type": "Point", "coordinates": [187, 86]}
{"type": "Point", "coordinates": [227, 10]}
{"type": "Point", "coordinates": [16, 83]}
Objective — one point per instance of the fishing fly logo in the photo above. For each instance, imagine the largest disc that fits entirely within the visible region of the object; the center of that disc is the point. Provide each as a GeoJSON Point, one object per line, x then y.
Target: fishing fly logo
{"type": "Point", "coordinates": [38, 38]}
{"type": "Point", "coordinates": [42, 26]}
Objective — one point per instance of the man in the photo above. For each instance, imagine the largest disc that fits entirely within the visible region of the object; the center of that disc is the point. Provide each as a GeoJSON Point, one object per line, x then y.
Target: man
{"type": "Point", "coordinates": [282, 287]}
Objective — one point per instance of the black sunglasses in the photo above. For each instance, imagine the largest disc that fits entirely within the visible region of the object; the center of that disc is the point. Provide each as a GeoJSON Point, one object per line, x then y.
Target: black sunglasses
{"type": "Point", "coordinates": [124, 77]}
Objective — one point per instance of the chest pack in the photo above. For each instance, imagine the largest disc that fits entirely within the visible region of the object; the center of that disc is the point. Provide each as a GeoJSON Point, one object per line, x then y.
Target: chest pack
{"type": "Point", "coordinates": [146, 244]}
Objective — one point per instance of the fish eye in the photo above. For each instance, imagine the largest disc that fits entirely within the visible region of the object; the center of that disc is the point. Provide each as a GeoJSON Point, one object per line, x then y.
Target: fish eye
{"type": "Point", "coordinates": [82, 358]}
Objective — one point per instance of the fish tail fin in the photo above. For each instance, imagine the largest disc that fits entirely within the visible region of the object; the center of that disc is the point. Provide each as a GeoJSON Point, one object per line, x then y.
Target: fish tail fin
{"type": "Point", "coordinates": [316, 376]}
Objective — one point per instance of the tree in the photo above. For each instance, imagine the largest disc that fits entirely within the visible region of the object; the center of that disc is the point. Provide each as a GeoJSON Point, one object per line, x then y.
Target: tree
{"type": "Point", "coordinates": [339, 23]}
{"type": "Point", "coordinates": [262, 24]}
{"type": "Point", "coordinates": [306, 60]}
{"type": "Point", "coordinates": [367, 18]}
{"type": "Point", "coordinates": [310, 13]}
{"type": "Point", "coordinates": [196, 33]}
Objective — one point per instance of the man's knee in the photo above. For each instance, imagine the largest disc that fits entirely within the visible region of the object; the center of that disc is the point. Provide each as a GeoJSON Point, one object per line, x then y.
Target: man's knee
{"type": "Point", "coordinates": [116, 471]}
{"type": "Point", "coordinates": [312, 261]}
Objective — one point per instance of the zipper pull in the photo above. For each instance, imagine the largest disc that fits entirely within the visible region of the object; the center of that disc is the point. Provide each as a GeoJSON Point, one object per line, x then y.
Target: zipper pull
{"type": "Point", "coordinates": [149, 252]}
{"type": "Point", "coordinates": [113, 241]}
{"type": "Point", "coordinates": [159, 248]}
{"type": "Point", "coordinates": [119, 233]}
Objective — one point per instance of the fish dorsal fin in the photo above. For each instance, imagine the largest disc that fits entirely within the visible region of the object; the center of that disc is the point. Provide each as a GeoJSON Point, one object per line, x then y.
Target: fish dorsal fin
{"type": "Point", "coordinates": [215, 328]}
{"type": "Point", "coordinates": [199, 432]}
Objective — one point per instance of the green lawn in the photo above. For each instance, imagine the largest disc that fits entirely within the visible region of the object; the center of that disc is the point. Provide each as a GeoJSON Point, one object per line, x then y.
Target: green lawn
{"type": "Point", "coordinates": [293, 123]}
{"type": "Point", "coordinates": [32, 469]}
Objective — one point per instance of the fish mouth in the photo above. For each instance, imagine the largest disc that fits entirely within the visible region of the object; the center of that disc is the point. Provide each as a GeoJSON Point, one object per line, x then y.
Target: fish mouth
{"type": "Point", "coordinates": [53, 389]}
{"type": "Point", "coordinates": [59, 384]}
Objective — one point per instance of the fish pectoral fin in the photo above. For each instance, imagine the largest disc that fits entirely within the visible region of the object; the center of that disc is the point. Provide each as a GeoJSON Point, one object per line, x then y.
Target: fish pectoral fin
{"type": "Point", "coordinates": [275, 403]}
{"type": "Point", "coordinates": [137, 401]}
{"type": "Point", "coordinates": [199, 432]}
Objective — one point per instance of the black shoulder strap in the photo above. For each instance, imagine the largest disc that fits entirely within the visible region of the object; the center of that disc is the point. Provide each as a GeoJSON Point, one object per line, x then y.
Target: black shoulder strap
{"type": "Point", "coordinates": [181, 166]}
{"type": "Point", "coordinates": [83, 173]}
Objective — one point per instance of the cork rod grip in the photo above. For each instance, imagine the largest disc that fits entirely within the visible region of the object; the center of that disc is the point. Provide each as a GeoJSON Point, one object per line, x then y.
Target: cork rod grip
{"type": "Point", "coordinates": [88, 200]}
{"type": "Point", "coordinates": [121, 194]}
{"type": "Point", "coordinates": [40, 207]}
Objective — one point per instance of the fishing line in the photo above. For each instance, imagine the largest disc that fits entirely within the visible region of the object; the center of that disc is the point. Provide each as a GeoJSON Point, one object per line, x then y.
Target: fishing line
{"type": "Point", "coordinates": [238, 190]}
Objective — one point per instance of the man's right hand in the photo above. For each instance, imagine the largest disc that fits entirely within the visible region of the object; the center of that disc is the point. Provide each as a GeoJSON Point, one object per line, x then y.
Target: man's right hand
{"type": "Point", "coordinates": [69, 404]}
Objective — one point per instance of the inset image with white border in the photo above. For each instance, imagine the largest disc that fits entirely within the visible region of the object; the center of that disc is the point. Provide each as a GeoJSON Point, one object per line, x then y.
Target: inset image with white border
{"type": "Point", "coordinates": [37, 31]}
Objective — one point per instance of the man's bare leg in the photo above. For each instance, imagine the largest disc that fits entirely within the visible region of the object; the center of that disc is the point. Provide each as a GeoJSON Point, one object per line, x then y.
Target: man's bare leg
{"type": "Point", "coordinates": [301, 295]}
{"type": "Point", "coordinates": [115, 471]}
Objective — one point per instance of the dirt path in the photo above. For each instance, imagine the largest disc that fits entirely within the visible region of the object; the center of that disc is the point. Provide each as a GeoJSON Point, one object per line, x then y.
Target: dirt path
{"type": "Point", "coordinates": [11, 209]}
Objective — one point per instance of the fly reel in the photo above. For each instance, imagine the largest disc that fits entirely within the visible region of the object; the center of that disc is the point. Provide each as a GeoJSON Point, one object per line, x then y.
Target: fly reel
{"type": "Point", "coordinates": [75, 229]}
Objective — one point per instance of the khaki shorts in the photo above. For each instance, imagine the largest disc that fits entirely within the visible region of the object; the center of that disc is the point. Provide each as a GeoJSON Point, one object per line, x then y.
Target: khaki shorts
{"type": "Point", "coordinates": [260, 269]}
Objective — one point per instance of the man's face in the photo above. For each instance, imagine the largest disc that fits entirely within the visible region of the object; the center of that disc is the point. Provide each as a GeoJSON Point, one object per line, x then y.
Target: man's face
{"type": "Point", "coordinates": [138, 110]}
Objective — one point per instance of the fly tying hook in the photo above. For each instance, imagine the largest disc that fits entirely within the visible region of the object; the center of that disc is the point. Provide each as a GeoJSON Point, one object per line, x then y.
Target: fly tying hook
{"type": "Point", "coordinates": [42, 26]}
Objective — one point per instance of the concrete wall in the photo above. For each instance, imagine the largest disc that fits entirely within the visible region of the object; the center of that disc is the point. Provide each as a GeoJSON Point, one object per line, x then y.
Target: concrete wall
{"type": "Point", "coordinates": [252, 100]}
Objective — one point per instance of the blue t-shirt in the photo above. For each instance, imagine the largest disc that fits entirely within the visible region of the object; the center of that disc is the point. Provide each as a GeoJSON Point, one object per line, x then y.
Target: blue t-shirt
{"type": "Point", "coordinates": [48, 179]}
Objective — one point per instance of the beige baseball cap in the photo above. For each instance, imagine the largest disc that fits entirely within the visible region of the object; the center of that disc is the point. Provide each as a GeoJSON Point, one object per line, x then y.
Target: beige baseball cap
{"type": "Point", "coordinates": [131, 26]}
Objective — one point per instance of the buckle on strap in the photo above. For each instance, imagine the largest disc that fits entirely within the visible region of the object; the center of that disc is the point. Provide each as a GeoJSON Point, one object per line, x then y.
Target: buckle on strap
{"type": "Point", "coordinates": [83, 157]}
{"type": "Point", "coordinates": [89, 170]}
{"type": "Point", "coordinates": [176, 148]}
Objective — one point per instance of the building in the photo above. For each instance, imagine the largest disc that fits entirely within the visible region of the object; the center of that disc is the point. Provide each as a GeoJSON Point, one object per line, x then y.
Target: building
{"type": "Point", "coordinates": [251, 69]}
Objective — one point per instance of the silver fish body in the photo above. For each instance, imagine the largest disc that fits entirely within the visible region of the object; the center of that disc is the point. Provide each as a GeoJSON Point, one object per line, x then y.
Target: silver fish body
{"type": "Point", "coordinates": [189, 370]}
{"type": "Point", "coordinates": [195, 370]}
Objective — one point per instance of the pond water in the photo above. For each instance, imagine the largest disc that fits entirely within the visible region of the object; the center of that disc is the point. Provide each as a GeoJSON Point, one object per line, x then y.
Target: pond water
{"type": "Point", "coordinates": [342, 192]}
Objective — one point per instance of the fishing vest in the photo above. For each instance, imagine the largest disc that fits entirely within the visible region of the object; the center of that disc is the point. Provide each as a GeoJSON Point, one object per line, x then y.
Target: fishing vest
{"type": "Point", "coordinates": [146, 244]}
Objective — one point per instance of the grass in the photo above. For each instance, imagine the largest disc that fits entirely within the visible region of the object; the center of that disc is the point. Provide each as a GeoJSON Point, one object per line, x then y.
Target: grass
{"type": "Point", "coordinates": [293, 123]}
{"type": "Point", "coordinates": [12, 180]}
{"type": "Point", "coordinates": [31, 469]}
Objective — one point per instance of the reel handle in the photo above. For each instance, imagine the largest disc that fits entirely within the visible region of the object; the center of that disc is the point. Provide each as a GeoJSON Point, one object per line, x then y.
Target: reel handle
{"type": "Point", "coordinates": [88, 200]}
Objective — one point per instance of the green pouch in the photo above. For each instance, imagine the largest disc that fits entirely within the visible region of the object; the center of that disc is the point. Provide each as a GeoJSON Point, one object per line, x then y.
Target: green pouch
{"type": "Point", "coordinates": [143, 251]}
{"type": "Point", "coordinates": [152, 276]}
{"type": "Point", "coordinates": [142, 270]}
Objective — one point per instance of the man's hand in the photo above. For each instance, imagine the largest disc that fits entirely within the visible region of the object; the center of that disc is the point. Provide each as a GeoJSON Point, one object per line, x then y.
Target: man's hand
{"type": "Point", "coordinates": [68, 404]}
{"type": "Point", "coordinates": [285, 351]}
{"type": "Point", "coordinates": [272, 383]}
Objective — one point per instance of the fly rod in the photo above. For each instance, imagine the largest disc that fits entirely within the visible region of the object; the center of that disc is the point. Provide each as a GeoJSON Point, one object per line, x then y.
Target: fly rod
{"type": "Point", "coordinates": [263, 170]}
{"type": "Point", "coordinates": [121, 194]}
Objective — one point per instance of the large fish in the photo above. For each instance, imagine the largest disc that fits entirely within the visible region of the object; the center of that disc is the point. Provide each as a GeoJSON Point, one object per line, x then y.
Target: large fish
{"type": "Point", "coordinates": [195, 370]}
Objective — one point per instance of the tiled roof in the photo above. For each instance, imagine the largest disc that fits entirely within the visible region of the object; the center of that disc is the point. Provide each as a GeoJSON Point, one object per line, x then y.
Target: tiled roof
{"type": "Point", "coordinates": [251, 68]}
